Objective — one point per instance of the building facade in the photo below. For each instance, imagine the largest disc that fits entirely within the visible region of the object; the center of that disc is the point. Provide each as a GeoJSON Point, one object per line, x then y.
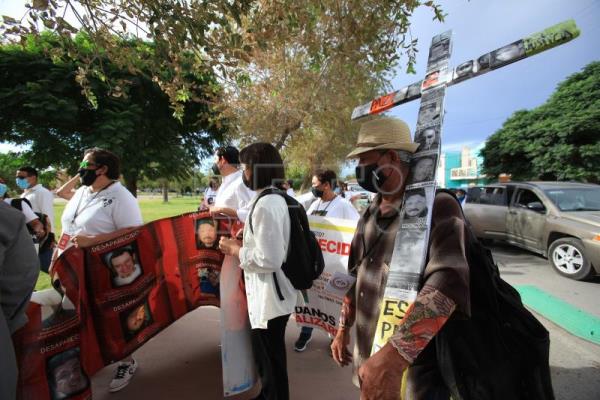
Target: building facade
{"type": "Point", "coordinates": [461, 169]}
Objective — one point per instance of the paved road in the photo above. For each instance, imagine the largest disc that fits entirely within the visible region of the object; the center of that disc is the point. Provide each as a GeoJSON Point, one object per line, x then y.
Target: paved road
{"type": "Point", "coordinates": [183, 362]}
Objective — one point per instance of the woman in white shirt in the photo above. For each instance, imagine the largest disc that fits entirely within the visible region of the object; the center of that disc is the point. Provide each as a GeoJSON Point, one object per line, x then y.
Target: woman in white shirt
{"type": "Point", "coordinates": [100, 210]}
{"type": "Point", "coordinates": [271, 296]}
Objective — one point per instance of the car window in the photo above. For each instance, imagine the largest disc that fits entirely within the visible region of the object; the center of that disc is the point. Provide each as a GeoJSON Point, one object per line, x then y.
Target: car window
{"type": "Point", "coordinates": [494, 196]}
{"type": "Point", "coordinates": [575, 199]}
{"type": "Point", "coordinates": [525, 197]}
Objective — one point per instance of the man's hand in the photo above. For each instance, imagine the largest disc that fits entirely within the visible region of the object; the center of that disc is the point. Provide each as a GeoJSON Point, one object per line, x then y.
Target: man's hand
{"type": "Point", "coordinates": [339, 348]}
{"type": "Point", "coordinates": [83, 241]}
{"type": "Point", "coordinates": [381, 375]}
{"type": "Point", "coordinates": [222, 212]}
{"type": "Point", "coordinates": [230, 247]}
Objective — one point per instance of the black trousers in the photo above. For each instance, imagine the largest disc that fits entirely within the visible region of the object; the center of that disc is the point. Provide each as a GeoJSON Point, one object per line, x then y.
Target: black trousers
{"type": "Point", "coordinates": [268, 346]}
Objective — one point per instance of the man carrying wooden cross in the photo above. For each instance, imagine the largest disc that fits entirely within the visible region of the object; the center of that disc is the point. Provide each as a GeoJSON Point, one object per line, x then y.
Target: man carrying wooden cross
{"type": "Point", "coordinates": [384, 150]}
{"type": "Point", "coordinates": [467, 334]}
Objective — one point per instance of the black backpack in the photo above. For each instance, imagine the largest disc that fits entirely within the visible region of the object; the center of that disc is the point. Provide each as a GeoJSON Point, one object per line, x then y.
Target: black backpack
{"type": "Point", "coordinates": [502, 351]}
{"type": "Point", "coordinates": [304, 262]}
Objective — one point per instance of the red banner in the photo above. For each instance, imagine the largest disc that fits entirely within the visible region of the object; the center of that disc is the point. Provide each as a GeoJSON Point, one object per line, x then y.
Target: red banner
{"type": "Point", "coordinates": [113, 298]}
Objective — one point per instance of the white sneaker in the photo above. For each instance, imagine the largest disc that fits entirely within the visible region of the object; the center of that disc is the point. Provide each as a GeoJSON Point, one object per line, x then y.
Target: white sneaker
{"type": "Point", "coordinates": [123, 375]}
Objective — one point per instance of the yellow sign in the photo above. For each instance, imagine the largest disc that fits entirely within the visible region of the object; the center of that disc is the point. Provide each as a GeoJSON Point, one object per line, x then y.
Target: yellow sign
{"type": "Point", "coordinates": [392, 312]}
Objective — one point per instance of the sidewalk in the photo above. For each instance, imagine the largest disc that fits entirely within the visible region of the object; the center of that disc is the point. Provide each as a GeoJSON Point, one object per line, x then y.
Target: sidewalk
{"type": "Point", "coordinates": [184, 363]}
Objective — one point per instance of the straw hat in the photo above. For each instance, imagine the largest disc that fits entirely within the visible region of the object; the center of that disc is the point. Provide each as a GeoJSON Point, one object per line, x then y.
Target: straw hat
{"type": "Point", "coordinates": [382, 134]}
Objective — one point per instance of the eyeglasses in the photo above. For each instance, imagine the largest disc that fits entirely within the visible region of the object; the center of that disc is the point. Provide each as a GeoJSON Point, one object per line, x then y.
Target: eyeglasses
{"type": "Point", "coordinates": [84, 164]}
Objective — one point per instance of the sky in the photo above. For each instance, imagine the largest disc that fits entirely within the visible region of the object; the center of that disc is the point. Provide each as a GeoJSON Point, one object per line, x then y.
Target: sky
{"type": "Point", "coordinates": [476, 108]}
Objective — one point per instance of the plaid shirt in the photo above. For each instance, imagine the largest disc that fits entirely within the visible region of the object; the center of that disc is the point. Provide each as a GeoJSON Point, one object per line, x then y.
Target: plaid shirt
{"type": "Point", "coordinates": [446, 270]}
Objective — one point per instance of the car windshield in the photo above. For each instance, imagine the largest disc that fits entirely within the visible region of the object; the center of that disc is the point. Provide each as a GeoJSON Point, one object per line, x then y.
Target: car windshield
{"type": "Point", "coordinates": [575, 199]}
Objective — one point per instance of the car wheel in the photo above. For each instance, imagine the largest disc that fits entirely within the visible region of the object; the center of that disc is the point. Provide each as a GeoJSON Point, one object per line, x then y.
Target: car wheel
{"type": "Point", "coordinates": [567, 257]}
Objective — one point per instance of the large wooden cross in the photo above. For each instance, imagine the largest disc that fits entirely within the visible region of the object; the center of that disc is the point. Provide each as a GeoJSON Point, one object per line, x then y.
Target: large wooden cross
{"type": "Point", "coordinates": [410, 248]}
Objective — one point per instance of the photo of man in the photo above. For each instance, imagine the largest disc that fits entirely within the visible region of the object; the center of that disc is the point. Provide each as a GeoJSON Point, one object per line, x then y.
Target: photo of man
{"type": "Point", "coordinates": [429, 113]}
{"type": "Point", "coordinates": [439, 50]}
{"type": "Point", "coordinates": [431, 79]}
{"type": "Point", "coordinates": [484, 62]}
{"type": "Point", "coordinates": [124, 265]}
{"type": "Point", "coordinates": [507, 54]}
{"type": "Point", "coordinates": [206, 233]}
{"type": "Point", "coordinates": [423, 170]}
{"type": "Point", "coordinates": [409, 250]}
{"type": "Point", "coordinates": [415, 204]}
{"type": "Point", "coordinates": [413, 90]}
{"type": "Point", "coordinates": [65, 376]}
{"type": "Point", "coordinates": [464, 70]}
{"type": "Point", "coordinates": [135, 320]}
{"type": "Point", "coordinates": [209, 281]}
{"type": "Point", "coordinates": [428, 138]}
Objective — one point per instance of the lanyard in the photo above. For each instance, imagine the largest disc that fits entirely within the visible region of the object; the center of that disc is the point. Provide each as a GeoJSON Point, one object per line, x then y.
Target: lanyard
{"type": "Point", "coordinates": [324, 211]}
{"type": "Point", "coordinates": [78, 211]}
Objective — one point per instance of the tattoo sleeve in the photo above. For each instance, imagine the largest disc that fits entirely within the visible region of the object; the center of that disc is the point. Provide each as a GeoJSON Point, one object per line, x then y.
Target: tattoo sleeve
{"type": "Point", "coordinates": [423, 320]}
{"type": "Point", "coordinates": [348, 313]}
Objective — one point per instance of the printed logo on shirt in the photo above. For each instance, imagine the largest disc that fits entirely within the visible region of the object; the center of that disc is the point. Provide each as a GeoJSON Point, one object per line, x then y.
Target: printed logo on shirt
{"type": "Point", "coordinates": [319, 213]}
{"type": "Point", "coordinates": [107, 202]}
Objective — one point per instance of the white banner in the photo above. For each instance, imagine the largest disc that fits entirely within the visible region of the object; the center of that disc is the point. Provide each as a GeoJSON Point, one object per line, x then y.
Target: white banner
{"type": "Point", "coordinates": [322, 302]}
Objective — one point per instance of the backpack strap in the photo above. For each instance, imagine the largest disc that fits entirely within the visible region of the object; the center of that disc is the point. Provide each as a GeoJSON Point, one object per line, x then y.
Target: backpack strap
{"type": "Point", "coordinates": [18, 203]}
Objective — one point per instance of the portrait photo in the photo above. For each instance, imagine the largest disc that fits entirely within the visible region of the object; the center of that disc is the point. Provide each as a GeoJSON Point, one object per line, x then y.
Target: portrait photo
{"type": "Point", "coordinates": [135, 319]}
{"type": "Point", "coordinates": [123, 264]}
{"type": "Point", "coordinates": [423, 169]}
{"type": "Point", "coordinates": [484, 62]}
{"type": "Point", "coordinates": [464, 70]}
{"type": "Point", "coordinates": [65, 375]}
{"type": "Point", "coordinates": [414, 90]}
{"type": "Point", "coordinates": [408, 251]}
{"type": "Point", "coordinates": [429, 113]}
{"type": "Point", "coordinates": [209, 281]}
{"type": "Point", "coordinates": [415, 204]}
{"type": "Point", "coordinates": [507, 54]}
{"type": "Point", "coordinates": [439, 50]}
{"type": "Point", "coordinates": [428, 138]}
{"type": "Point", "coordinates": [207, 236]}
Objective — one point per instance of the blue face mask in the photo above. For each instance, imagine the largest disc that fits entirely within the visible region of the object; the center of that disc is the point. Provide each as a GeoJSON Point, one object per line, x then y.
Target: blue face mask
{"type": "Point", "coordinates": [22, 183]}
{"type": "Point", "coordinates": [3, 189]}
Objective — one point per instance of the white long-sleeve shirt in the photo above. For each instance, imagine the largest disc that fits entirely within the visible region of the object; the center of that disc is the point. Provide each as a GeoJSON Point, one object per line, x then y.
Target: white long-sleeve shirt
{"type": "Point", "coordinates": [264, 251]}
{"type": "Point", "coordinates": [233, 193]}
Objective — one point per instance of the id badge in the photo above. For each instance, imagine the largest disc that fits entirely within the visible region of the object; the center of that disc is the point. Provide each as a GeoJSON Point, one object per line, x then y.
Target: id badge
{"type": "Point", "coordinates": [64, 241]}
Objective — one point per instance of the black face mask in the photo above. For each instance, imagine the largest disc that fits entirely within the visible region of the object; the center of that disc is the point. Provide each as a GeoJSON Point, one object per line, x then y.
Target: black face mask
{"type": "Point", "coordinates": [247, 182]}
{"type": "Point", "coordinates": [316, 192]}
{"type": "Point", "coordinates": [87, 176]}
{"type": "Point", "coordinates": [215, 169]}
{"type": "Point", "coordinates": [369, 179]}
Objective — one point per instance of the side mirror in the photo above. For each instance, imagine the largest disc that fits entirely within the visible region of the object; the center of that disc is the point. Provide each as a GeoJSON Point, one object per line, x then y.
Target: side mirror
{"type": "Point", "coordinates": [536, 206]}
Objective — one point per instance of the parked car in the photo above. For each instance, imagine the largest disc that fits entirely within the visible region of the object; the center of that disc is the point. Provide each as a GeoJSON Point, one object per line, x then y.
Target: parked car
{"type": "Point", "coordinates": [559, 220]}
{"type": "Point", "coordinates": [359, 197]}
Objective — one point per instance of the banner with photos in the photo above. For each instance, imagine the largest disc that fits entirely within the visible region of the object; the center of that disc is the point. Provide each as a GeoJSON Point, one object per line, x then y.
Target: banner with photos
{"type": "Point", "coordinates": [323, 301]}
{"type": "Point", "coordinates": [110, 299]}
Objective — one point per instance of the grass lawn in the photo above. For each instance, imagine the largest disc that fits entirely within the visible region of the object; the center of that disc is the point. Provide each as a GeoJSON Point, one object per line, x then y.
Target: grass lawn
{"type": "Point", "coordinates": [152, 208]}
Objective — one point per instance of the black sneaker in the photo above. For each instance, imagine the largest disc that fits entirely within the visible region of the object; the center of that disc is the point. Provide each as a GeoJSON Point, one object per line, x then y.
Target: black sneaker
{"type": "Point", "coordinates": [302, 341]}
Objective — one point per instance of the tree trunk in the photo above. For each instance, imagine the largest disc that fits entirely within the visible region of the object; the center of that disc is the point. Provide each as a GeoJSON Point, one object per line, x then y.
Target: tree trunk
{"type": "Point", "coordinates": [131, 183]}
{"type": "Point", "coordinates": [165, 190]}
{"type": "Point", "coordinates": [286, 133]}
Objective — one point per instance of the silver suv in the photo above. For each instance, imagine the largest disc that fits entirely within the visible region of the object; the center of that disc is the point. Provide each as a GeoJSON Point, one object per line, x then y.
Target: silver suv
{"type": "Point", "coordinates": [559, 220]}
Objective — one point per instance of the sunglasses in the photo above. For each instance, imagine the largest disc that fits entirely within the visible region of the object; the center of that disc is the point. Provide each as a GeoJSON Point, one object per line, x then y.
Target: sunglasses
{"type": "Point", "coordinates": [84, 164]}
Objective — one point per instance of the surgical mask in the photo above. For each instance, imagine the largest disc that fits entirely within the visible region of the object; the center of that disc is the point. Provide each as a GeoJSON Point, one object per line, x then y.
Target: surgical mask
{"type": "Point", "coordinates": [22, 183]}
{"type": "Point", "coordinates": [316, 192]}
{"type": "Point", "coordinates": [370, 179]}
{"type": "Point", "coordinates": [87, 176]}
{"type": "Point", "coordinates": [215, 169]}
{"type": "Point", "coordinates": [3, 189]}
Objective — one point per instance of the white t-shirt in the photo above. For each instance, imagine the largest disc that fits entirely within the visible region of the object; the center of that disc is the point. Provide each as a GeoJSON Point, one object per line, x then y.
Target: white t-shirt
{"type": "Point", "coordinates": [209, 196]}
{"type": "Point", "coordinates": [42, 201]}
{"type": "Point", "coordinates": [290, 192]}
{"type": "Point", "coordinates": [25, 209]}
{"type": "Point", "coordinates": [233, 193]}
{"type": "Point", "coordinates": [338, 207]}
{"type": "Point", "coordinates": [101, 212]}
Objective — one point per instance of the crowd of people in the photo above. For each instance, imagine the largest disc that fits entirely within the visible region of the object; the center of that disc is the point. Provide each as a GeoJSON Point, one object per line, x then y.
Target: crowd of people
{"type": "Point", "coordinates": [102, 209]}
